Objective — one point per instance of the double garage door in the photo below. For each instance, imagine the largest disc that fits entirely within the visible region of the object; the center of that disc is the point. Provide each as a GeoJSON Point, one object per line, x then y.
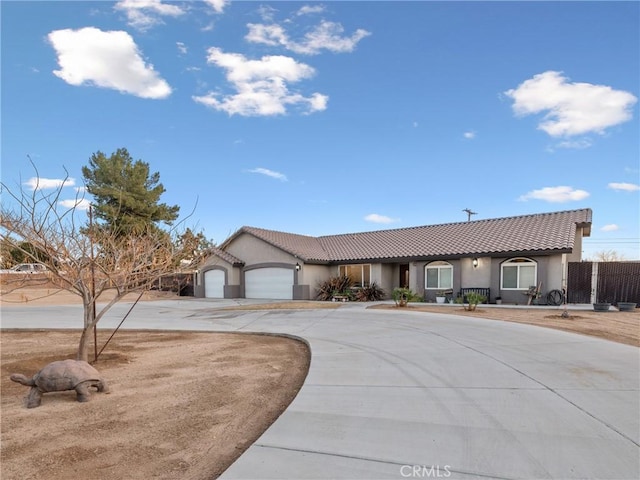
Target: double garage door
{"type": "Point", "coordinates": [271, 283]}
{"type": "Point", "coordinates": [276, 283]}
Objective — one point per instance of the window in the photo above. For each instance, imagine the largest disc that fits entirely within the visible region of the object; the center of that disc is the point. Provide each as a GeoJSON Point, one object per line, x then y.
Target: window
{"type": "Point", "coordinates": [518, 274]}
{"type": "Point", "coordinates": [359, 274]}
{"type": "Point", "coordinates": [439, 275]}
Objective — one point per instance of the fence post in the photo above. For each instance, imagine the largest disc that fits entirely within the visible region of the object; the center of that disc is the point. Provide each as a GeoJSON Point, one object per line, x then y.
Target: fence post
{"type": "Point", "coordinates": [594, 282]}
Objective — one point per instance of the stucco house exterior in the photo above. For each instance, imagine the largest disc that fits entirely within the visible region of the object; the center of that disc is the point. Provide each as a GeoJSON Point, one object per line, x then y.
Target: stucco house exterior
{"type": "Point", "coordinates": [506, 256]}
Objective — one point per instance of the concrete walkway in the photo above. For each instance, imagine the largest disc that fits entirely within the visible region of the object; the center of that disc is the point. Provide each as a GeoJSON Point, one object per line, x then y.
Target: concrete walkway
{"type": "Point", "coordinates": [394, 395]}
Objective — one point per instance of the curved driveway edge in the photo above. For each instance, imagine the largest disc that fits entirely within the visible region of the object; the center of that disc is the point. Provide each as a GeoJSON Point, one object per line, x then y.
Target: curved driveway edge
{"type": "Point", "coordinates": [393, 395]}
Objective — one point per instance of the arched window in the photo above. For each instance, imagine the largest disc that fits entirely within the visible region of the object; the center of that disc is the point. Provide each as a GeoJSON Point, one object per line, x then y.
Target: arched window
{"type": "Point", "coordinates": [438, 276]}
{"type": "Point", "coordinates": [518, 274]}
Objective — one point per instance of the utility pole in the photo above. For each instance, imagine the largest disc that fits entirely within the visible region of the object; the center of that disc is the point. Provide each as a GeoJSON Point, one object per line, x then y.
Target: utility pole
{"type": "Point", "coordinates": [469, 213]}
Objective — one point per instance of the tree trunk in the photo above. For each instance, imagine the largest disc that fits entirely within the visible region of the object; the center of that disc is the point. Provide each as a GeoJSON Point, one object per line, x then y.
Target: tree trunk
{"type": "Point", "coordinates": [89, 323]}
{"type": "Point", "coordinates": [83, 346]}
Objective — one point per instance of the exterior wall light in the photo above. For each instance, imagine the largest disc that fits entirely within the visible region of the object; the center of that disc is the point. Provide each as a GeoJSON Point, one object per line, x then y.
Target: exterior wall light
{"type": "Point", "coordinates": [475, 262]}
{"type": "Point", "coordinates": [298, 267]}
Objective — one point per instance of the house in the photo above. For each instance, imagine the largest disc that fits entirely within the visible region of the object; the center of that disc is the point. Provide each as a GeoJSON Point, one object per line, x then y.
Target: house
{"type": "Point", "coordinates": [504, 256]}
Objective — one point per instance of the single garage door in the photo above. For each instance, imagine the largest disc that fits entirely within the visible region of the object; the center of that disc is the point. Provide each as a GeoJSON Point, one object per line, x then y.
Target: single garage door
{"type": "Point", "coordinates": [276, 283]}
{"type": "Point", "coordinates": [214, 284]}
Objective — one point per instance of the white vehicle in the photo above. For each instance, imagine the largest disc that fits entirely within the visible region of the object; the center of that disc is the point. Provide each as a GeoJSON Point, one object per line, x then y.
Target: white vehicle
{"type": "Point", "coordinates": [26, 268]}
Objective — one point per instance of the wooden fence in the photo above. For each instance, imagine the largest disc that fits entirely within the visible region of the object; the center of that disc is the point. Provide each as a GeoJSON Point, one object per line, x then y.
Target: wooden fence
{"type": "Point", "coordinates": [180, 283]}
{"type": "Point", "coordinates": [611, 282]}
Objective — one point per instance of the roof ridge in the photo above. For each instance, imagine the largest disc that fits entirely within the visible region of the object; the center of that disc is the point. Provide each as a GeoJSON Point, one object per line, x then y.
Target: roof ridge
{"type": "Point", "coordinates": [276, 231]}
{"type": "Point", "coordinates": [414, 227]}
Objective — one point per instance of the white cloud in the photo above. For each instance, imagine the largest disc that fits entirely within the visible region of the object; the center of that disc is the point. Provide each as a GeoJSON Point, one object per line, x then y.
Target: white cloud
{"type": "Point", "coordinates": [35, 183]}
{"type": "Point", "coordinates": [572, 108]}
{"type": "Point", "coordinates": [182, 48]}
{"type": "Point", "coordinates": [217, 5]}
{"type": "Point", "coordinates": [266, 12]}
{"type": "Point", "coordinates": [90, 56]}
{"type": "Point", "coordinates": [270, 173]}
{"type": "Point", "coordinates": [612, 227]}
{"type": "Point", "coordinates": [375, 218]}
{"type": "Point", "coordinates": [144, 14]}
{"type": "Point", "coordinates": [261, 85]}
{"type": "Point", "coordinates": [579, 144]}
{"type": "Point", "coordinates": [310, 9]}
{"type": "Point", "coordinates": [77, 203]}
{"type": "Point", "coordinates": [627, 187]}
{"type": "Point", "coordinates": [324, 36]}
{"type": "Point", "coordinates": [560, 194]}
{"type": "Point", "coordinates": [469, 135]}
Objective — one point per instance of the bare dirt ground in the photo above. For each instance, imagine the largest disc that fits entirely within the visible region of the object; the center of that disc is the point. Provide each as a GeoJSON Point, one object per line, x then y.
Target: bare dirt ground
{"type": "Point", "coordinates": [183, 405]}
{"type": "Point", "coordinates": [621, 327]}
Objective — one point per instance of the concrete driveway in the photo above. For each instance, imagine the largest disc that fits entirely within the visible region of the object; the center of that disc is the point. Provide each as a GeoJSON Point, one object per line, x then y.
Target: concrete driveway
{"type": "Point", "coordinates": [394, 395]}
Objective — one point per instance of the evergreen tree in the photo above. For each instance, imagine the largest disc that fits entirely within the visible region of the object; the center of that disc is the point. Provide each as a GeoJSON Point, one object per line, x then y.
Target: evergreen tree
{"type": "Point", "coordinates": [126, 196]}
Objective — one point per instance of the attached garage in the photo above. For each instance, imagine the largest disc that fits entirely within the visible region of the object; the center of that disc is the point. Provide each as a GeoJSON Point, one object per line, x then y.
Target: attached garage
{"type": "Point", "coordinates": [271, 282]}
{"type": "Point", "coordinates": [214, 284]}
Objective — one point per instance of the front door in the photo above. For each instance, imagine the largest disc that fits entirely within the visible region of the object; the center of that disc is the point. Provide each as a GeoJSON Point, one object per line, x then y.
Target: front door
{"type": "Point", "coordinates": [404, 275]}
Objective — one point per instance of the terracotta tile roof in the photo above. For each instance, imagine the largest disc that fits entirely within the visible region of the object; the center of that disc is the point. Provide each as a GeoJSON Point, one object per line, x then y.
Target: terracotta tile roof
{"type": "Point", "coordinates": [226, 256]}
{"type": "Point", "coordinates": [543, 232]}
{"type": "Point", "coordinates": [305, 247]}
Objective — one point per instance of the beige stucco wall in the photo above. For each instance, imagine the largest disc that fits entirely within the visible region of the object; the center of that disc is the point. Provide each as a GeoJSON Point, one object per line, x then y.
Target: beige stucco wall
{"type": "Point", "coordinates": [312, 275]}
{"type": "Point", "coordinates": [576, 255]}
{"type": "Point", "coordinates": [384, 275]}
{"type": "Point", "coordinates": [554, 274]}
{"type": "Point", "coordinates": [233, 274]}
{"type": "Point", "coordinates": [254, 251]}
{"type": "Point", "coordinates": [479, 276]}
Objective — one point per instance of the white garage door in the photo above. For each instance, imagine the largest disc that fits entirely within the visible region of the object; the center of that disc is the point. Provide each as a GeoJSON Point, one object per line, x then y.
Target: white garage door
{"type": "Point", "coordinates": [276, 283]}
{"type": "Point", "coordinates": [214, 284]}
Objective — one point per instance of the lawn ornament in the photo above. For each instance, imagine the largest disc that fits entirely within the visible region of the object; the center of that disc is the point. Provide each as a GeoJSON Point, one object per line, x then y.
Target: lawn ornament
{"type": "Point", "coordinates": [61, 376]}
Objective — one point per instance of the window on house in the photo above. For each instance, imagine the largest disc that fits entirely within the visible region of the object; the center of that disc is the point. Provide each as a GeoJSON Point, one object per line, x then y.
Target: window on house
{"type": "Point", "coordinates": [518, 274]}
{"type": "Point", "coordinates": [439, 275]}
{"type": "Point", "coordinates": [359, 274]}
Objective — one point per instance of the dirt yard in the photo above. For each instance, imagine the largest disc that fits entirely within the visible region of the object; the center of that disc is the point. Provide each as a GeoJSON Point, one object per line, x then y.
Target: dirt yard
{"type": "Point", "coordinates": [182, 405]}
{"type": "Point", "coordinates": [621, 327]}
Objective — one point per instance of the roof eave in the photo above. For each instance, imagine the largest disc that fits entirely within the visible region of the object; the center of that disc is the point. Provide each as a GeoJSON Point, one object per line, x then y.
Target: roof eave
{"type": "Point", "coordinates": [453, 256]}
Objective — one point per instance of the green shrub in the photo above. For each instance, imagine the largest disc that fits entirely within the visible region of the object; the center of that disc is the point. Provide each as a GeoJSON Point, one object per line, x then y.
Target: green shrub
{"type": "Point", "coordinates": [401, 296]}
{"type": "Point", "coordinates": [473, 299]}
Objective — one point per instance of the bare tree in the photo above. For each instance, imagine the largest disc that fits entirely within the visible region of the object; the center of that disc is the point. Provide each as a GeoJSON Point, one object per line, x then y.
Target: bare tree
{"type": "Point", "coordinates": [608, 256]}
{"type": "Point", "coordinates": [81, 257]}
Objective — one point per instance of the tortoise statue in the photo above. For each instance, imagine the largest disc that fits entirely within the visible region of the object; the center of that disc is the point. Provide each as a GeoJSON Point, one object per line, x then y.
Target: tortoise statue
{"type": "Point", "coordinates": [61, 376]}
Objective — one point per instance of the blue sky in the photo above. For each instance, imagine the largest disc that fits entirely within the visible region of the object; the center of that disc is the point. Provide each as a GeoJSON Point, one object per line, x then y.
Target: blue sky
{"type": "Point", "coordinates": [336, 117]}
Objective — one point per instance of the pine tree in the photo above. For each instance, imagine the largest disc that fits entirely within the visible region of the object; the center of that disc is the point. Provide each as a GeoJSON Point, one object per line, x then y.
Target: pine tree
{"type": "Point", "coordinates": [126, 196]}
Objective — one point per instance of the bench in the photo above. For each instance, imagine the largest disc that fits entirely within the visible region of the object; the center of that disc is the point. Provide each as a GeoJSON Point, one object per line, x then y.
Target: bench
{"type": "Point", "coordinates": [482, 291]}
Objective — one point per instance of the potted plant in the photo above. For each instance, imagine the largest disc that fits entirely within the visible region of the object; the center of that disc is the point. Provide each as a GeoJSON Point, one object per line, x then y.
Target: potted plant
{"type": "Point", "coordinates": [441, 296]}
{"type": "Point", "coordinates": [601, 306]}
{"type": "Point", "coordinates": [498, 300]}
{"type": "Point", "coordinates": [626, 306]}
